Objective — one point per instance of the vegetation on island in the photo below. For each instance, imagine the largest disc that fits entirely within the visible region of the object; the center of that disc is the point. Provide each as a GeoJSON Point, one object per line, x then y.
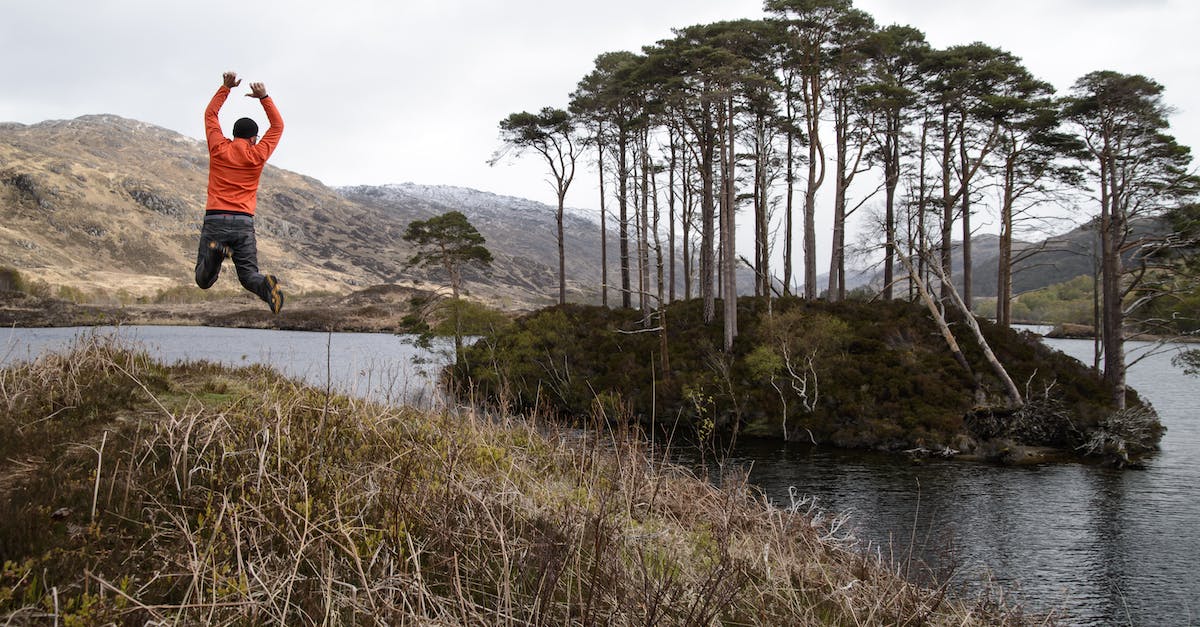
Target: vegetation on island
{"type": "Point", "coordinates": [847, 374]}
{"type": "Point", "coordinates": [135, 492]}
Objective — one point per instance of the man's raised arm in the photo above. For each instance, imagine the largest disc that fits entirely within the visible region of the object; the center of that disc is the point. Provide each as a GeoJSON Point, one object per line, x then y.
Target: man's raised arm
{"type": "Point", "coordinates": [212, 120]}
{"type": "Point", "coordinates": [270, 139]}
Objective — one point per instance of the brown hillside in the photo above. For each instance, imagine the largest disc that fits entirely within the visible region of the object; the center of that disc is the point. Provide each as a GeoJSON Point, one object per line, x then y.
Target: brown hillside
{"type": "Point", "coordinates": [107, 204]}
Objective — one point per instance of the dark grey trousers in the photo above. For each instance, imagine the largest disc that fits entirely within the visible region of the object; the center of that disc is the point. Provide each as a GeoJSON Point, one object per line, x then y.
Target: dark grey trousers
{"type": "Point", "coordinates": [236, 233]}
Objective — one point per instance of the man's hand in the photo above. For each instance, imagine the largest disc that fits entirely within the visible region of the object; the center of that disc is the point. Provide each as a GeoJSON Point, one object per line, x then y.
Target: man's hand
{"type": "Point", "coordinates": [231, 79]}
{"type": "Point", "coordinates": [257, 90]}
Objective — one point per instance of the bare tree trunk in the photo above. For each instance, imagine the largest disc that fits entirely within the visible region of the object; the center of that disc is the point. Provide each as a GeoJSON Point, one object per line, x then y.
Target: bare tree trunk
{"type": "Point", "coordinates": [840, 124]}
{"type": "Point", "coordinates": [623, 204]}
{"type": "Point", "coordinates": [603, 228]}
{"type": "Point", "coordinates": [1097, 310]}
{"type": "Point", "coordinates": [841, 182]}
{"type": "Point", "coordinates": [891, 174]}
{"type": "Point", "coordinates": [843, 176]}
{"type": "Point", "coordinates": [671, 214]}
{"type": "Point", "coordinates": [1014, 395]}
{"type": "Point", "coordinates": [708, 222]}
{"type": "Point", "coordinates": [836, 266]}
{"type": "Point", "coordinates": [966, 213]}
{"type": "Point", "coordinates": [789, 213]}
{"type": "Point", "coordinates": [1112, 228]}
{"type": "Point", "coordinates": [657, 242]}
{"type": "Point", "coordinates": [816, 176]}
{"type": "Point", "coordinates": [728, 231]}
{"type": "Point", "coordinates": [947, 202]}
{"type": "Point", "coordinates": [922, 196]}
{"type": "Point", "coordinates": [762, 174]}
{"type": "Point", "coordinates": [644, 232]}
{"type": "Point", "coordinates": [1004, 267]}
{"type": "Point", "coordinates": [936, 313]}
{"type": "Point", "coordinates": [689, 211]}
{"type": "Point", "coordinates": [562, 257]}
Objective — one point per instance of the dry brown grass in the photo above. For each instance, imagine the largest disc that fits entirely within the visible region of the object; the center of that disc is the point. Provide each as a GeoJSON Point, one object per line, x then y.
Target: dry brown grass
{"type": "Point", "coordinates": [198, 494]}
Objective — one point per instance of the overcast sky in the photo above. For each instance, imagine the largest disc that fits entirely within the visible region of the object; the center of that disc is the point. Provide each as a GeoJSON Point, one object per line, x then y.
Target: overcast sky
{"type": "Point", "coordinates": [376, 92]}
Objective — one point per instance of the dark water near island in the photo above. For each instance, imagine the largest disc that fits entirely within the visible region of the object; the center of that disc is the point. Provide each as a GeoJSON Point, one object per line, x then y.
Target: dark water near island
{"type": "Point", "coordinates": [1094, 545]}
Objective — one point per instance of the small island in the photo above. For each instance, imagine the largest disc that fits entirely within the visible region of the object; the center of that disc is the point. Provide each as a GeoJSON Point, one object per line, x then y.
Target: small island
{"type": "Point", "coordinates": [847, 374]}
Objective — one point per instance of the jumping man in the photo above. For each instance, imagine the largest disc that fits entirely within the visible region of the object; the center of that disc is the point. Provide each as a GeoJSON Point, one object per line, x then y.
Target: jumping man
{"type": "Point", "coordinates": [234, 167]}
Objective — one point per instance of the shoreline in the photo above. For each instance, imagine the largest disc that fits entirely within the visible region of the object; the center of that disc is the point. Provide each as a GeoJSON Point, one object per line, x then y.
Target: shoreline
{"type": "Point", "coordinates": [383, 310]}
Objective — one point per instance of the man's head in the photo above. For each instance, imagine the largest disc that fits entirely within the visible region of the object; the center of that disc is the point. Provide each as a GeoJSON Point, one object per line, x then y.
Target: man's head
{"type": "Point", "coordinates": [245, 128]}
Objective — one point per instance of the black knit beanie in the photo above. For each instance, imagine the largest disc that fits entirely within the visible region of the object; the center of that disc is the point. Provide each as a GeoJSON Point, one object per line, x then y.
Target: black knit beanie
{"type": "Point", "coordinates": [245, 128]}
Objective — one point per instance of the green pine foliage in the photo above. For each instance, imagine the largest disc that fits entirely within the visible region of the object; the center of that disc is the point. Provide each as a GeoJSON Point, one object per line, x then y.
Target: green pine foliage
{"type": "Point", "coordinates": [475, 318]}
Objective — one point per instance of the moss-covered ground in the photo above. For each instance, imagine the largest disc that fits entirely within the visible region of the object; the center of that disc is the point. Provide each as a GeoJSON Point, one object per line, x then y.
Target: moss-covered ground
{"type": "Point", "coordinates": [849, 374]}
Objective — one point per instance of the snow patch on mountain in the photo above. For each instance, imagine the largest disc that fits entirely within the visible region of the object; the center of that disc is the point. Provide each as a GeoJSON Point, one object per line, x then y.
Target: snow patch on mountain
{"type": "Point", "coordinates": [471, 202]}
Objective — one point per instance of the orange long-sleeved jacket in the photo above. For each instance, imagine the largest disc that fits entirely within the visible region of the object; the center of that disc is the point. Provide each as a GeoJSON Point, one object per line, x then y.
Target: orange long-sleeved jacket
{"type": "Point", "coordinates": [234, 165]}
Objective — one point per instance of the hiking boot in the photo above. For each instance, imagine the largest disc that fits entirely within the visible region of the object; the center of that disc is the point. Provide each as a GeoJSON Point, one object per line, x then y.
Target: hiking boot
{"type": "Point", "coordinates": [275, 295]}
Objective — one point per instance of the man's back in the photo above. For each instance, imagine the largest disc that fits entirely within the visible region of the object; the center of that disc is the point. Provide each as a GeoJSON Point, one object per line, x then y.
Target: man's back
{"type": "Point", "coordinates": [235, 165]}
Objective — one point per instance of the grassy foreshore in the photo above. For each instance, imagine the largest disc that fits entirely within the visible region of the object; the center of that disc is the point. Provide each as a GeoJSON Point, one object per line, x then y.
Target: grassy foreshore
{"type": "Point", "coordinates": [135, 492]}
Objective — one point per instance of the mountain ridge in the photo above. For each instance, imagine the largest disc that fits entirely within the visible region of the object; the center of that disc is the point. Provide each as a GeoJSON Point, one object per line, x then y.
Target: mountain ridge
{"type": "Point", "coordinates": [103, 203]}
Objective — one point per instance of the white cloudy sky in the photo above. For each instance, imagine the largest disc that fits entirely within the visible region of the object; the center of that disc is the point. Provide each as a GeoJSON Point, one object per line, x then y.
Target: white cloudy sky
{"type": "Point", "coordinates": [377, 91]}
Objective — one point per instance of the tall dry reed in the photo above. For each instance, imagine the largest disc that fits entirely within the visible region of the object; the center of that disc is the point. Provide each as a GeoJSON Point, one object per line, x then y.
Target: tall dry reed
{"type": "Point", "coordinates": [234, 496]}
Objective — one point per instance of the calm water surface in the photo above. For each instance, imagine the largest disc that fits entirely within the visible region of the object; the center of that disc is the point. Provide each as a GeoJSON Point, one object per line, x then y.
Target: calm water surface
{"type": "Point", "coordinates": [371, 365]}
{"type": "Point", "coordinates": [1094, 545]}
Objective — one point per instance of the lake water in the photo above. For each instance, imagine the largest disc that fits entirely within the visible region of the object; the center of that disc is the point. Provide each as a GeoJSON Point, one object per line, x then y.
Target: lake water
{"type": "Point", "coordinates": [1096, 546]}
{"type": "Point", "coordinates": [379, 366]}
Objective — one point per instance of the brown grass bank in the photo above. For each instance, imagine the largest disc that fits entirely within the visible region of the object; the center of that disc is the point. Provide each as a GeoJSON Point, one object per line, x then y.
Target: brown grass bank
{"type": "Point", "coordinates": [137, 493]}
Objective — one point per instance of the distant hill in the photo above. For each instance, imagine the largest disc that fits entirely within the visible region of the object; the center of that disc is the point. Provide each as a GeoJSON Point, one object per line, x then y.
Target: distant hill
{"type": "Point", "coordinates": [1036, 264]}
{"type": "Point", "coordinates": [1054, 260]}
{"type": "Point", "coordinates": [104, 202]}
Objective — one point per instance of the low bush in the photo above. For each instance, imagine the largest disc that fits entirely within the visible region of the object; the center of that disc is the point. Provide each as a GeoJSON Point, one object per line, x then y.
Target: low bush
{"type": "Point", "coordinates": [11, 280]}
